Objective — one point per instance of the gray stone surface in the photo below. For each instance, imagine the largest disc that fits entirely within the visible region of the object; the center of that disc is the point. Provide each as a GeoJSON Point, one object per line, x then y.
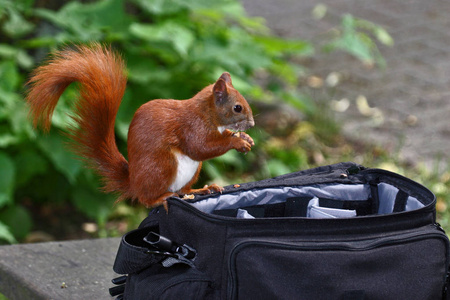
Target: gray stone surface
{"type": "Point", "coordinates": [412, 93]}
{"type": "Point", "coordinates": [58, 270]}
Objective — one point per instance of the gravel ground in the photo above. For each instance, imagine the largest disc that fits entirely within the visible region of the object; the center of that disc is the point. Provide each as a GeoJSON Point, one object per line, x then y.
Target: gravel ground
{"type": "Point", "coordinates": [404, 108]}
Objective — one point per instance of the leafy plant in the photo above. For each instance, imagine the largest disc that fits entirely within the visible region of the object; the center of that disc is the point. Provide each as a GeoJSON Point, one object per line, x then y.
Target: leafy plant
{"type": "Point", "coordinates": [354, 36]}
{"type": "Point", "coordinates": [173, 49]}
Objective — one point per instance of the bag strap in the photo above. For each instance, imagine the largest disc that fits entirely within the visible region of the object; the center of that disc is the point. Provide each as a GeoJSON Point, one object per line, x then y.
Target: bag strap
{"type": "Point", "coordinates": [134, 255]}
{"type": "Point", "coordinates": [143, 247]}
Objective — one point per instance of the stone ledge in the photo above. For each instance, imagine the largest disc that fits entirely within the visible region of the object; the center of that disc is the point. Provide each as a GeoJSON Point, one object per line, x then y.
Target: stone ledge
{"type": "Point", "coordinates": [58, 270]}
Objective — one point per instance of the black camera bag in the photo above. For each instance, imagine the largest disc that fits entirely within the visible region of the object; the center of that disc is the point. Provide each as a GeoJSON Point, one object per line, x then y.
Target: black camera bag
{"type": "Point", "coordinates": [334, 232]}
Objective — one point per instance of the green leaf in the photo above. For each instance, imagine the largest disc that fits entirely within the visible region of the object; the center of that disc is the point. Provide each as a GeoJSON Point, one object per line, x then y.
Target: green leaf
{"type": "Point", "coordinates": [52, 16]}
{"type": "Point", "coordinates": [90, 21]}
{"type": "Point", "coordinates": [16, 26]}
{"type": "Point", "coordinates": [6, 235]}
{"type": "Point", "coordinates": [170, 7]}
{"type": "Point", "coordinates": [159, 7]}
{"type": "Point", "coordinates": [8, 100]}
{"type": "Point", "coordinates": [17, 219]}
{"type": "Point", "coordinates": [355, 45]}
{"type": "Point", "coordinates": [30, 164]}
{"type": "Point", "coordinates": [278, 46]}
{"type": "Point", "coordinates": [7, 175]}
{"type": "Point", "coordinates": [51, 187]}
{"type": "Point", "coordinates": [53, 145]}
{"type": "Point", "coordinates": [255, 25]}
{"type": "Point", "coordinates": [144, 70]}
{"type": "Point", "coordinates": [7, 139]}
{"type": "Point", "coordinates": [7, 51]}
{"type": "Point", "coordinates": [277, 167]}
{"type": "Point", "coordinates": [40, 42]}
{"type": "Point", "coordinates": [286, 71]}
{"type": "Point", "coordinates": [238, 54]}
{"type": "Point", "coordinates": [231, 158]}
{"type": "Point", "coordinates": [356, 40]}
{"type": "Point", "coordinates": [18, 120]}
{"type": "Point", "coordinates": [13, 110]}
{"type": "Point", "coordinates": [383, 36]}
{"type": "Point", "coordinates": [176, 34]}
{"type": "Point", "coordinates": [9, 75]}
{"type": "Point", "coordinates": [64, 110]}
{"type": "Point", "coordinates": [24, 60]}
{"type": "Point", "coordinates": [18, 55]}
{"type": "Point", "coordinates": [379, 32]}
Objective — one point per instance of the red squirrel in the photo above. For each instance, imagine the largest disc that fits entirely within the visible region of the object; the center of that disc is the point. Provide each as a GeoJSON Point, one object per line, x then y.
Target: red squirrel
{"type": "Point", "coordinates": [167, 139]}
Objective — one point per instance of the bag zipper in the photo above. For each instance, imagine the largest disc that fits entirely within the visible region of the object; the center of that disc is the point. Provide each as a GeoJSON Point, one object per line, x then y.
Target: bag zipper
{"type": "Point", "coordinates": [266, 183]}
{"type": "Point", "coordinates": [350, 172]}
{"type": "Point", "coordinates": [425, 233]}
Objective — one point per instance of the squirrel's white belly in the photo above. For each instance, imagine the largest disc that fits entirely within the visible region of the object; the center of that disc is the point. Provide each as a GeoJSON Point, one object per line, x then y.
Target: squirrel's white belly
{"type": "Point", "coordinates": [185, 171]}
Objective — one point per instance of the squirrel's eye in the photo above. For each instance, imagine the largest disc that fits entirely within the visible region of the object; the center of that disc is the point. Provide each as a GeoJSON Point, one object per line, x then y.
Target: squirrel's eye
{"type": "Point", "coordinates": [237, 108]}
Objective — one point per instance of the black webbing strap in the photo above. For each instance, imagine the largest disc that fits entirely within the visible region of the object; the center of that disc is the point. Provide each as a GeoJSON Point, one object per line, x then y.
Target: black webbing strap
{"type": "Point", "coordinates": [293, 207]}
{"type": "Point", "coordinates": [143, 247]}
{"type": "Point", "coordinates": [400, 201]}
{"type": "Point", "coordinates": [375, 197]}
{"type": "Point", "coordinates": [134, 254]}
{"type": "Point", "coordinates": [297, 206]}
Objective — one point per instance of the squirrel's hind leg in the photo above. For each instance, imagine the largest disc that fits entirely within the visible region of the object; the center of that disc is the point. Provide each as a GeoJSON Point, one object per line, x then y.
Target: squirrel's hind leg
{"type": "Point", "coordinates": [161, 200]}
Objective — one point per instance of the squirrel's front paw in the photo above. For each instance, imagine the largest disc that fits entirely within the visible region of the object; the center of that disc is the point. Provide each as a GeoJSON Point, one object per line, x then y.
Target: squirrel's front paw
{"type": "Point", "coordinates": [242, 145]}
{"type": "Point", "coordinates": [244, 142]}
{"type": "Point", "coordinates": [246, 137]}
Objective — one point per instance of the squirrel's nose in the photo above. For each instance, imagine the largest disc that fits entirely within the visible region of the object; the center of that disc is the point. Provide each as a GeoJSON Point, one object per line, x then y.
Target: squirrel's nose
{"type": "Point", "coordinates": [251, 123]}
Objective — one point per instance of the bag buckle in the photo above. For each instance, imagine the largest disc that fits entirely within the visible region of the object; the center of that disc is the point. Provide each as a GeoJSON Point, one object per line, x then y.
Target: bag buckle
{"type": "Point", "coordinates": [175, 252]}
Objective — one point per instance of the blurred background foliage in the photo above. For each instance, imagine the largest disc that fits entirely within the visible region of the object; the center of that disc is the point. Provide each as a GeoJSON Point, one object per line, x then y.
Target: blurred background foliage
{"type": "Point", "coordinates": [173, 49]}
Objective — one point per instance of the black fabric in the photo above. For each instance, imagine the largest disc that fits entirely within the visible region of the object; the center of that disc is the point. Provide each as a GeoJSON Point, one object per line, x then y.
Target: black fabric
{"type": "Point", "coordinates": [362, 208]}
{"type": "Point", "coordinates": [159, 283]}
{"type": "Point", "coordinates": [400, 201]}
{"type": "Point", "coordinates": [270, 210]}
{"type": "Point", "coordinates": [354, 295]}
{"type": "Point", "coordinates": [134, 254]}
{"type": "Point", "coordinates": [296, 206]}
{"type": "Point", "coordinates": [402, 268]}
{"type": "Point", "coordinates": [374, 192]}
{"type": "Point", "coordinates": [281, 254]}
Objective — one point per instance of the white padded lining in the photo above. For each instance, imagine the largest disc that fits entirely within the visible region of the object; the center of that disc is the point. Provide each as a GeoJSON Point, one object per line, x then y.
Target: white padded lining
{"type": "Point", "coordinates": [386, 193]}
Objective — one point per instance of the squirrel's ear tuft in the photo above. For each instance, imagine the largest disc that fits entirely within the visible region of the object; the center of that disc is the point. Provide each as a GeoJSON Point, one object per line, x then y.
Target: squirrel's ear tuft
{"type": "Point", "coordinates": [220, 91]}
{"type": "Point", "coordinates": [226, 76]}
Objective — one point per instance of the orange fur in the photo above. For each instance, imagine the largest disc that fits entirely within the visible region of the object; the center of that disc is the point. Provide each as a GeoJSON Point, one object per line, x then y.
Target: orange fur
{"type": "Point", "coordinates": [160, 131]}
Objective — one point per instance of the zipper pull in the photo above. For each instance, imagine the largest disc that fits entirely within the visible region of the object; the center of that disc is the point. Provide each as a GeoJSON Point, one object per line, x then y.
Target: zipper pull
{"type": "Point", "coordinates": [439, 227]}
{"type": "Point", "coordinates": [351, 171]}
{"type": "Point", "coordinates": [354, 170]}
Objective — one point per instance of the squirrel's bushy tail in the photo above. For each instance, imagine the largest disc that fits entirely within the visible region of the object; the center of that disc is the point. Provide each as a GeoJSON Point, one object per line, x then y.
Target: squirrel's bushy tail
{"type": "Point", "coordinates": [102, 76]}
